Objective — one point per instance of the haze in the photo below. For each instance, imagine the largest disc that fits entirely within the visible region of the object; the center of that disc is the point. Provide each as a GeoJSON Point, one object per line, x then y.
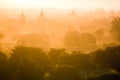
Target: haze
{"type": "Point", "coordinates": [71, 24]}
{"type": "Point", "coordinates": [59, 40]}
{"type": "Point", "coordinates": [60, 4]}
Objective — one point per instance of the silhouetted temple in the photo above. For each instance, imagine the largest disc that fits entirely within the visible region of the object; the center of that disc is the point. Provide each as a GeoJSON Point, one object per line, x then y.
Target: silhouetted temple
{"type": "Point", "coordinates": [22, 18]}
{"type": "Point", "coordinates": [41, 17]}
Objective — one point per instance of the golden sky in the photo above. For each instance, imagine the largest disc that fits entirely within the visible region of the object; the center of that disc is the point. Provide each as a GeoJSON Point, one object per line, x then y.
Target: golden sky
{"type": "Point", "coordinates": [62, 4]}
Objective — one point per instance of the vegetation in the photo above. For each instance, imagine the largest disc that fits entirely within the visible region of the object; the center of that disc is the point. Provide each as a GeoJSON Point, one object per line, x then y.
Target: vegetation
{"type": "Point", "coordinates": [115, 28]}
{"type": "Point", "coordinates": [80, 60]}
{"type": "Point", "coordinates": [27, 63]}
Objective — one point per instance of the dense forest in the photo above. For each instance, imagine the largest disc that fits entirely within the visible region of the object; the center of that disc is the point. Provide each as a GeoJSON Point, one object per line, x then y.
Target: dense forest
{"type": "Point", "coordinates": [28, 63]}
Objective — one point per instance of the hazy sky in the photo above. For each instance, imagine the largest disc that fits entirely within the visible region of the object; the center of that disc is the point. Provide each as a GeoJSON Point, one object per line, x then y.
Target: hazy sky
{"type": "Point", "coordinates": [86, 4]}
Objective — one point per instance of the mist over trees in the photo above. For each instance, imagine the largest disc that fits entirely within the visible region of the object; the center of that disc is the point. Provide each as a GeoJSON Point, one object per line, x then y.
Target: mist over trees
{"type": "Point", "coordinates": [34, 40]}
{"type": "Point", "coordinates": [74, 45]}
{"type": "Point", "coordinates": [80, 41]}
{"type": "Point", "coordinates": [115, 28]}
{"type": "Point", "coordinates": [94, 31]}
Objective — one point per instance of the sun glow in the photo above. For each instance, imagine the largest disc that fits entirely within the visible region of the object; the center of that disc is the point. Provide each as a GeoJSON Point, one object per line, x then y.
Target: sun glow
{"type": "Point", "coordinates": [60, 4]}
{"type": "Point", "coordinates": [20, 3]}
{"type": "Point", "coordinates": [24, 4]}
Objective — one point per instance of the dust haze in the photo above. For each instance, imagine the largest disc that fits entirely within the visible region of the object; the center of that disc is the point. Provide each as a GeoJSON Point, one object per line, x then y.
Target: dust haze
{"type": "Point", "coordinates": [59, 40]}
{"type": "Point", "coordinates": [72, 29]}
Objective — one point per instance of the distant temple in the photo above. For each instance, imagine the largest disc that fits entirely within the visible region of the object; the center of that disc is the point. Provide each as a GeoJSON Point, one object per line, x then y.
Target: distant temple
{"type": "Point", "coordinates": [22, 18]}
{"type": "Point", "coordinates": [41, 17]}
{"type": "Point", "coordinates": [73, 13]}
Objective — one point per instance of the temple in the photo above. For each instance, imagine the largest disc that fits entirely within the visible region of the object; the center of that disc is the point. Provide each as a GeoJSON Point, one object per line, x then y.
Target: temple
{"type": "Point", "coordinates": [22, 18]}
{"type": "Point", "coordinates": [41, 17]}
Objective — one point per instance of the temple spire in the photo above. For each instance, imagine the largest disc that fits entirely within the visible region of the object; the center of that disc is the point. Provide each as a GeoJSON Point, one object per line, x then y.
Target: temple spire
{"type": "Point", "coordinates": [41, 16]}
{"type": "Point", "coordinates": [22, 18]}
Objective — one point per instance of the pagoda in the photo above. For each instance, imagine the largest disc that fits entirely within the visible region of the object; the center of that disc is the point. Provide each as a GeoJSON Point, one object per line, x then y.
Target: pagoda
{"type": "Point", "coordinates": [41, 17]}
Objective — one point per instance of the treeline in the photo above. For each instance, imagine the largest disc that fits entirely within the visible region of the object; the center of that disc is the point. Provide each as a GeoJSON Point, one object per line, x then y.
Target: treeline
{"type": "Point", "coordinates": [27, 63]}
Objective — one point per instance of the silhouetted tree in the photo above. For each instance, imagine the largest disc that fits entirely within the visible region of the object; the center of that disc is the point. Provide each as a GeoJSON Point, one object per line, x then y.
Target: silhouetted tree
{"type": "Point", "coordinates": [3, 61]}
{"type": "Point", "coordinates": [64, 73]}
{"type": "Point", "coordinates": [115, 28]}
{"type": "Point", "coordinates": [34, 40]}
{"type": "Point", "coordinates": [78, 60]}
{"type": "Point", "coordinates": [100, 35]}
{"type": "Point", "coordinates": [76, 41]}
{"type": "Point", "coordinates": [31, 71]}
{"type": "Point", "coordinates": [110, 76]}
{"type": "Point", "coordinates": [87, 39]}
{"type": "Point", "coordinates": [54, 54]}
{"type": "Point", "coordinates": [110, 57]}
{"type": "Point", "coordinates": [27, 62]}
{"type": "Point", "coordinates": [72, 40]}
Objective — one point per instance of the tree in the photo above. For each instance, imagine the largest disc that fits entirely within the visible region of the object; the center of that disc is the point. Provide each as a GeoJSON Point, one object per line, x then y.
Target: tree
{"type": "Point", "coordinates": [3, 62]}
{"type": "Point", "coordinates": [54, 55]}
{"type": "Point", "coordinates": [31, 71]}
{"type": "Point", "coordinates": [109, 76]}
{"type": "Point", "coordinates": [87, 39]}
{"type": "Point", "coordinates": [115, 28]}
{"type": "Point", "coordinates": [76, 41]}
{"type": "Point", "coordinates": [64, 73]}
{"type": "Point", "coordinates": [28, 63]}
{"type": "Point", "coordinates": [76, 59]}
{"type": "Point", "coordinates": [109, 58]}
{"type": "Point", "coordinates": [72, 39]}
{"type": "Point", "coordinates": [34, 40]}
